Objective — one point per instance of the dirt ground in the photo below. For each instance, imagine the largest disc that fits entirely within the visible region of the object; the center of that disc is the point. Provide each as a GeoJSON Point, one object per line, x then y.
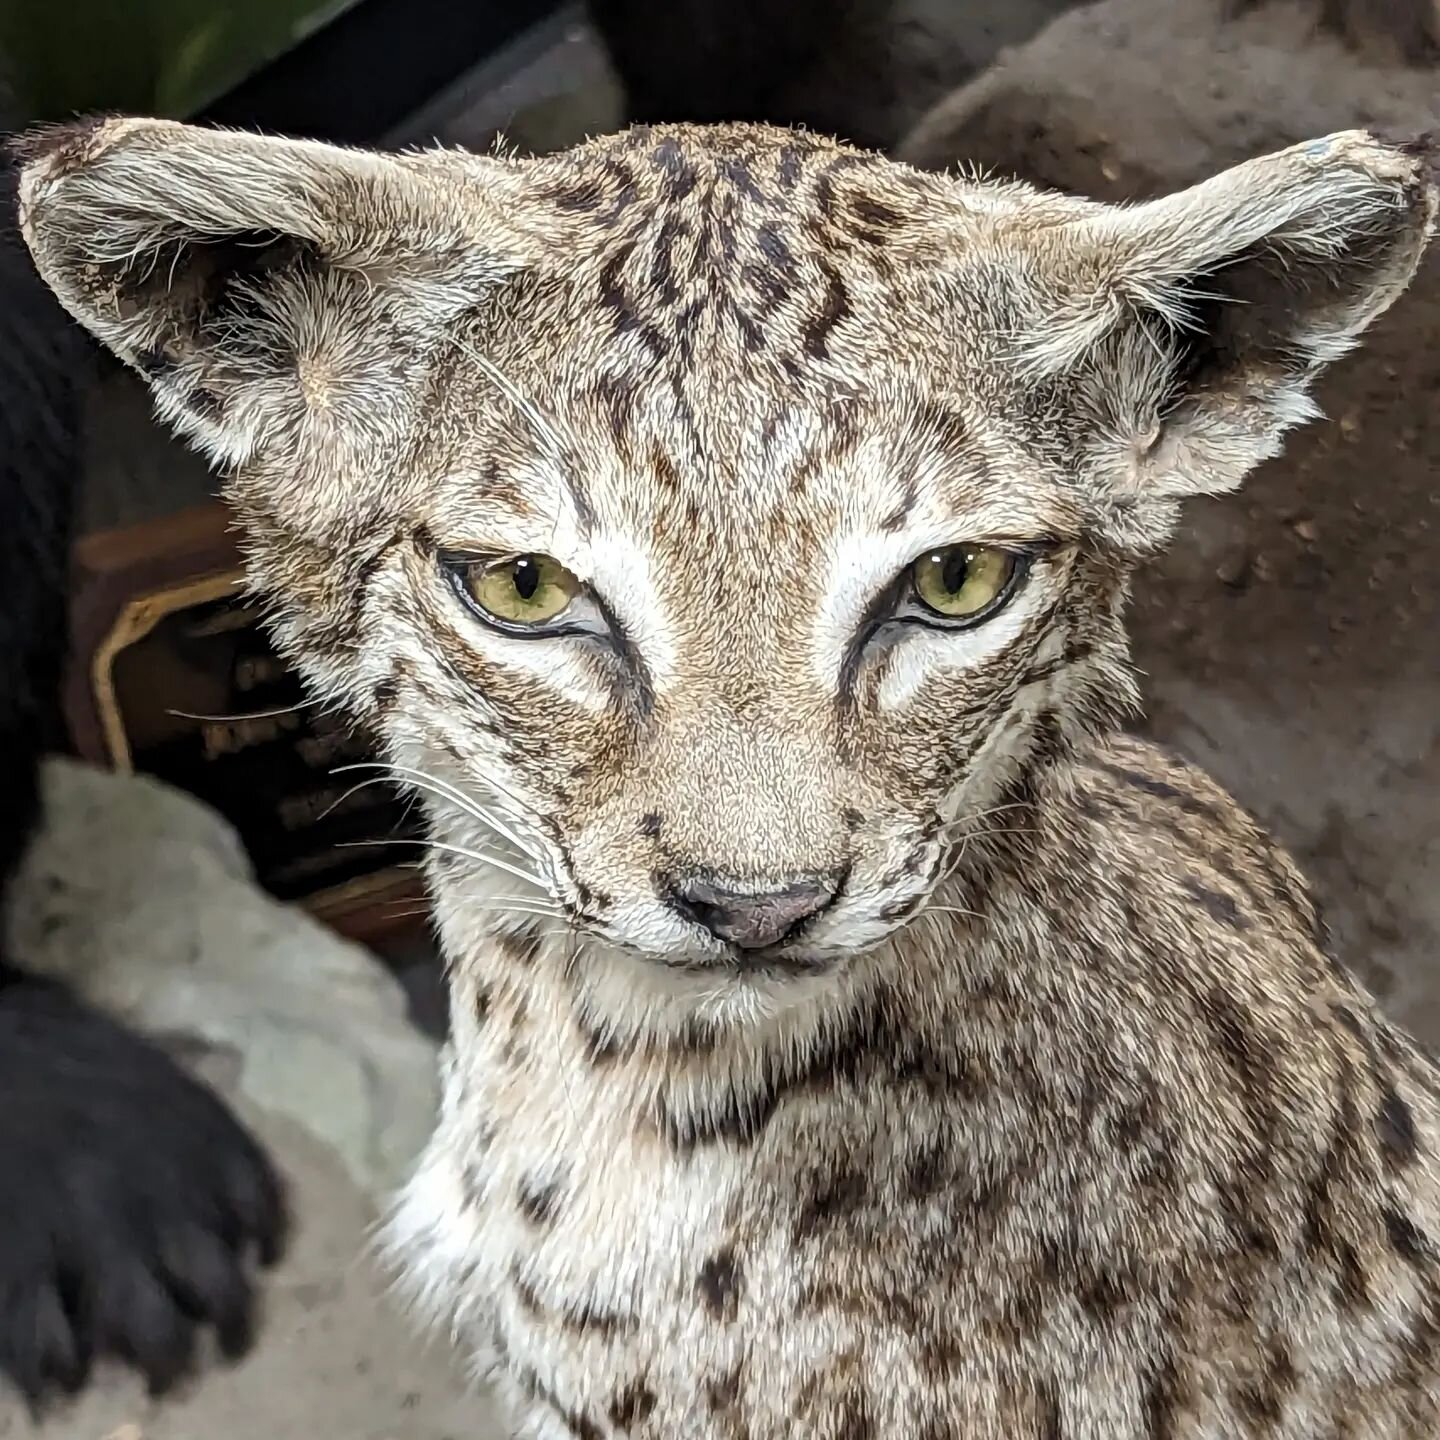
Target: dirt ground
{"type": "Point", "coordinates": [1291, 646]}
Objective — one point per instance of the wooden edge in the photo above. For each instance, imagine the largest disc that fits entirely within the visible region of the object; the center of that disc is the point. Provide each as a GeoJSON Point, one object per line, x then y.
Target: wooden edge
{"type": "Point", "coordinates": [124, 582]}
{"type": "Point", "coordinates": [115, 576]}
{"type": "Point", "coordinates": [135, 621]}
{"type": "Point", "coordinates": [373, 908]}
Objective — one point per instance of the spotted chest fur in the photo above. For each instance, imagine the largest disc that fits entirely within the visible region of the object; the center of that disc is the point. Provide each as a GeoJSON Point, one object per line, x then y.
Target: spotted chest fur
{"type": "Point", "coordinates": [1158, 1190]}
{"type": "Point", "coordinates": [854, 1037]}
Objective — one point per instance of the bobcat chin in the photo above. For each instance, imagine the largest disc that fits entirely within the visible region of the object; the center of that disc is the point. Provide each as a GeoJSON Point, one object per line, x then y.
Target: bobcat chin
{"type": "Point", "coordinates": [728, 535]}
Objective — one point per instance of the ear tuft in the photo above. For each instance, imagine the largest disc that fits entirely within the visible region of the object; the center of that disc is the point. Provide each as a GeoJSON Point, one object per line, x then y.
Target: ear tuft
{"type": "Point", "coordinates": [1424, 148]}
{"type": "Point", "coordinates": [62, 147]}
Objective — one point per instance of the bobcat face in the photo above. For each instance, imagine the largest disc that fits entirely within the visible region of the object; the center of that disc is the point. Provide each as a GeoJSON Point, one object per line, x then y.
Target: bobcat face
{"type": "Point", "coordinates": [738, 654]}
{"type": "Point", "coordinates": [742, 691]}
{"type": "Point", "coordinates": [717, 525]}
{"type": "Point", "coordinates": [743, 650]}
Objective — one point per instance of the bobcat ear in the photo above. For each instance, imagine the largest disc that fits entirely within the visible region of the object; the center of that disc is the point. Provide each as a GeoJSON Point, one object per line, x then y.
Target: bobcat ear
{"type": "Point", "coordinates": [1191, 328]}
{"type": "Point", "coordinates": [266, 289]}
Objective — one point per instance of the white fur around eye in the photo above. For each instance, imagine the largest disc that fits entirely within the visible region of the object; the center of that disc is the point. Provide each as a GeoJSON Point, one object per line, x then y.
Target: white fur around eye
{"type": "Point", "coordinates": [863, 564]}
{"type": "Point", "coordinates": [557, 663]}
{"type": "Point", "coordinates": [621, 574]}
{"type": "Point", "coordinates": [921, 652]}
{"type": "Point", "coordinates": [859, 566]}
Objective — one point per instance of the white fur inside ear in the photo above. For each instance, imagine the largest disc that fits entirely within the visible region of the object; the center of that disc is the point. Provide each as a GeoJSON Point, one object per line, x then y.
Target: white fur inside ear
{"type": "Point", "coordinates": [1187, 331]}
{"type": "Point", "coordinates": [270, 291]}
{"type": "Point", "coordinates": [227, 444]}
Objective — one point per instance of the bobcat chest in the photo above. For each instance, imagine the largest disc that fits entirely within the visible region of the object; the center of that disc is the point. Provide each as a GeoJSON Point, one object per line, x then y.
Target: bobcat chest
{"type": "Point", "coordinates": [583, 1235]}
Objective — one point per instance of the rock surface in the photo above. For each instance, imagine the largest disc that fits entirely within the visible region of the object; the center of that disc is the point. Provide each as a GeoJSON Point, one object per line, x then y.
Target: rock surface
{"type": "Point", "coordinates": [1128, 98]}
{"type": "Point", "coordinates": [142, 898]}
{"type": "Point", "coordinates": [862, 69]}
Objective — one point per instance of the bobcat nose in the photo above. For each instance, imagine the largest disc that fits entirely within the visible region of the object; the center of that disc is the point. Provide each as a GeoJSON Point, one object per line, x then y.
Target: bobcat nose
{"type": "Point", "coordinates": [748, 920]}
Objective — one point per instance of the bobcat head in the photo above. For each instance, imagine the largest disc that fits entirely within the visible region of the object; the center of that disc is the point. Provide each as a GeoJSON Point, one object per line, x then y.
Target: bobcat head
{"type": "Point", "coordinates": [717, 525]}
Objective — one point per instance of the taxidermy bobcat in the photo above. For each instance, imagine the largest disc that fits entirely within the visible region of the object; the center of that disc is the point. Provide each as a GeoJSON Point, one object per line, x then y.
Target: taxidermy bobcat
{"type": "Point", "coordinates": [855, 1036]}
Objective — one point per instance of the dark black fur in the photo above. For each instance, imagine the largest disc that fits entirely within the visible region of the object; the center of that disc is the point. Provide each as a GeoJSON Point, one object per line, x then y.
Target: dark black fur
{"type": "Point", "coordinates": [132, 1203]}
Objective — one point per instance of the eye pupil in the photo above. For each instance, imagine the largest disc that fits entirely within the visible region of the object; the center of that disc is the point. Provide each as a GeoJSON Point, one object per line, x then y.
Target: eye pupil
{"type": "Point", "coordinates": [526, 591]}
{"type": "Point", "coordinates": [954, 568]}
{"type": "Point", "coordinates": [964, 582]}
{"type": "Point", "coordinates": [525, 576]}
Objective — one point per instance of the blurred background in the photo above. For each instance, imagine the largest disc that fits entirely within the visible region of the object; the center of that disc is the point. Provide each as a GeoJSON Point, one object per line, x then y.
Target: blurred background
{"type": "Point", "coordinates": [165, 57]}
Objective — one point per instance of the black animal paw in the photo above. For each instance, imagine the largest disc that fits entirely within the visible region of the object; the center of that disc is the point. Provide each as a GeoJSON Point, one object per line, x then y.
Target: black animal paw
{"type": "Point", "coordinates": [133, 1206]}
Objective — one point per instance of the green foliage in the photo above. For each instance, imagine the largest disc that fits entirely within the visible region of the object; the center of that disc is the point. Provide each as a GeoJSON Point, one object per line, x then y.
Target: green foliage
{"type": "Point", "coordinates": [152, 57]}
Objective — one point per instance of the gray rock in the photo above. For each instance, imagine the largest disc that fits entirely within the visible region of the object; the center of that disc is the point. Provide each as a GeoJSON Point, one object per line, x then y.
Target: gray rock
{"type": "Point", "coordinates": [142, 898]}
{"type": "Point", "coordinates": [1129, 97]}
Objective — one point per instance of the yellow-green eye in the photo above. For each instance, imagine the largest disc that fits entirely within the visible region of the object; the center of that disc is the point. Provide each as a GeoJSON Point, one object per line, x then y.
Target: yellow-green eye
{"type": "Point", "coordinates": [964, 582]}
{"type": "Point", "coordinates": [523, 590]}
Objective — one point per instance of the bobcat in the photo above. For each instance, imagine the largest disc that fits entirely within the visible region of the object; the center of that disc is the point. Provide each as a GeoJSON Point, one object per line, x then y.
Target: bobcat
{"type": "Point", "coordinates": [855, 1036]}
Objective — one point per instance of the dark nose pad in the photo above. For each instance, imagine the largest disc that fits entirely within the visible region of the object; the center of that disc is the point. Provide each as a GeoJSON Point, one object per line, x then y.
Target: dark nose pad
{"type": "Point", "coordinates": [751, 921]}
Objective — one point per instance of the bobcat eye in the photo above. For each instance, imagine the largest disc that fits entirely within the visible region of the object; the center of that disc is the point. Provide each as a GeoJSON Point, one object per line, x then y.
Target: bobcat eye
{"type": "Point", "coordinates": [966, 583]}
{"type": "Point", "coordinates": [525, 591]}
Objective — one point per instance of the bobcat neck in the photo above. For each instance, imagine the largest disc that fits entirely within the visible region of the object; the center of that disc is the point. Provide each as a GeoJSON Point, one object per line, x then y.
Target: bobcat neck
{"type": "Point", "coordinates": [1107, 1134]}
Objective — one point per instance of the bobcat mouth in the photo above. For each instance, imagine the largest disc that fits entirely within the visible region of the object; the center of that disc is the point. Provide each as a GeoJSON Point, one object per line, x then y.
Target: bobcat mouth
{"type": "Point", "coordinates": [757, 965]}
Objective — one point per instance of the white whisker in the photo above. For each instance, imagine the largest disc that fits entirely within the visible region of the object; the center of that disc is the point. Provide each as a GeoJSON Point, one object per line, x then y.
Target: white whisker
{"type": "Point", "coordinates": [951, 910]}
{"type": "Point", "coordinates": [421, 780]}
{"type": "Point", "coordinates": [479, 857]}
{"type": "Point", "coordinates": [475, 808]}
{"type": "Point", "coordinates": [244, 715]}
{"type": "Point", "coordinates": [963, 821]}
{"type": "Point", "coordinates": [542, 427]}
